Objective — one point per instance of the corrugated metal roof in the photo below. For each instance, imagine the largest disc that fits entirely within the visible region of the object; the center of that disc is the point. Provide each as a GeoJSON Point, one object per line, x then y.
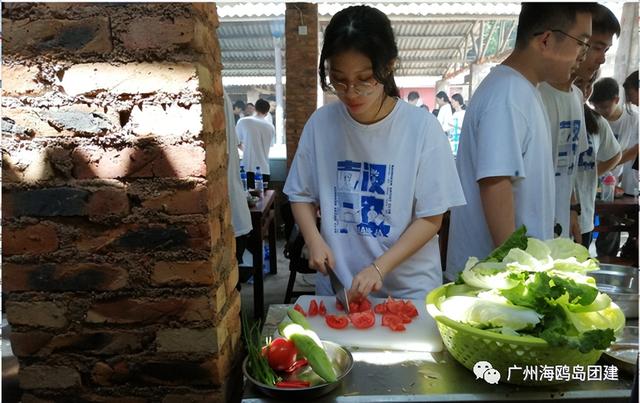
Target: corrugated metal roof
{"type": "Point", "coordinates": [431, 37]}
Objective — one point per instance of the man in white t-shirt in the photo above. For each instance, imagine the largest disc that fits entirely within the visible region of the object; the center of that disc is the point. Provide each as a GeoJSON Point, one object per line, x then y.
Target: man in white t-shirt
{"type": "Point", "coordinates": [505, 154]}
{"type": "Point", "coordinates": [624, 124]}
{"type": "Point", "coordinates": [255, 136]}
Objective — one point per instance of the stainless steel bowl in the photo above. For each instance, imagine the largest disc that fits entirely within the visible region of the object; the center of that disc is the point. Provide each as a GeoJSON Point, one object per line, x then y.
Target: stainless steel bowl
{"type": "Point", "coordinates": [341, 359]}
{"type": "Point", "coordinates": [624, 352]}
{"type": "Point", "coordinates": [621, 284]}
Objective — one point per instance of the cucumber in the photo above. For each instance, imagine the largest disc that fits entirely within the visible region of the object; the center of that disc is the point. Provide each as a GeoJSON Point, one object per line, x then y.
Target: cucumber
{"type": "Point", "coordinates": [309, 345]}
{"type": "Point", "coordinates": [298, 318]}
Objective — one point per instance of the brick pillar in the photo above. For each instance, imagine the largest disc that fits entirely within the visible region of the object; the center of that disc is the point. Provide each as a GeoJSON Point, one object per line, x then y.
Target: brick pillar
{"type": "Point", "coordinates": [118, 250]}
{"type": "Point", "coordinates": [302, 70]}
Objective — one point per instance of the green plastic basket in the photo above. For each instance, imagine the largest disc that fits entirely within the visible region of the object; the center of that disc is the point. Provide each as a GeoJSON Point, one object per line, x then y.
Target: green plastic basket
{"type": "Point", "coordinates": [468, 345]}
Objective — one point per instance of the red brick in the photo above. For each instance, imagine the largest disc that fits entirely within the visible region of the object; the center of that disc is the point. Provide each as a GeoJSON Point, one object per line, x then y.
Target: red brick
{"type": "Point", "coordinates": [45, 314]}
{"type": "Point", "coordinates": [194, 273]}
{"type": "Point", "coordinates": [93, 398]}
{"type": "Point", "coordinates": [220, 365]}
{"type": "Point", "coordinates": [63, 277]}
{"type": "Point", "coordinates": [108, 201]}
{"type": "Point", "coordinates": [216, 157]}
{"type": "Point", "coordinates": [29, 398]}
{"type": "Point", "coordinates": [192, 201]}
{"type": "Point", "coordinates": [130, 78]}
{"type": "Point", "coordinates": [97, 241]}
{"type": "Point", "coordinates": [48, 377]}
{"type": "Point", "coordinates": [172, 120]}
{"type": "Point", "coordinates": [186, 340]}
{"type": "Point", "coordinates": [27, 344]}
{"type": "Point", "coordinates": [157, 32]}
{"type": "Point", "coordinates": [181, 161]}
{"type": "Point", "coordinates": [145, 311]}
{"type": "Point", "coordinates": [42, 344]}
{"type": "Point", "coordinates": [28, 165]}
{"type": "Point", "coordinates": [88, 35]}
{"type": "Point", "coordinates": [33, 239]}
{"type": "Point", "coordinates": [199, 237]}
{"type": "Point", "coordinates": [20, 80]}
{"type": "Point", "coordinates": [214, 118]}
{"type": "Point", "coordinates": [214, 396]}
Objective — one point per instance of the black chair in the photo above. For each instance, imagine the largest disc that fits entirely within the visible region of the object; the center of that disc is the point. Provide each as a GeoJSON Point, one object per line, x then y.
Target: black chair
{"type": "Point", "coordinates": [293, 252]}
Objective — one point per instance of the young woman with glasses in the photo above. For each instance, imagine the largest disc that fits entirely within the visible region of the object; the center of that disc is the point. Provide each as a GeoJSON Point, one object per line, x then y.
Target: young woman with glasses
{"type": "Point", "coordinates": [380, 170]}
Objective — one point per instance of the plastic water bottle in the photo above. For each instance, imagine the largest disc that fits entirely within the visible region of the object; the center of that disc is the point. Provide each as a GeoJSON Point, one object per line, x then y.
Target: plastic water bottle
{"type": "Point", "coordinates": [243, 178]}
{"type": "Point", "coordinates": [266, 261]}
{"type": "Point", "coordinates": [608, 187]}
{"type": "Point", "coordinates": [258, 180]}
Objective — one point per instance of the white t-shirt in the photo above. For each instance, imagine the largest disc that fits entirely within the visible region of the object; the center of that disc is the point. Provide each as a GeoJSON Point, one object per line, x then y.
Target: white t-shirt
{"type": "Point", "coordinates": [602, 147]}
{"type": "Point", "coordinates": [626, 131]}
{"type": "Point", "coordinates": [568, 139]}
{"type": "Point", "coordinates": [445, 117]}
{"type": "Point", "coordinates": [255, 134]}
{"type": "Point", "coordinates": [456, 121]}
{"type": "Point", "coordinates": [240, 214]}
{"type": "Point", "coordinates": [371, 182]}
{"type": "Point", "coordinates": [505, 133]}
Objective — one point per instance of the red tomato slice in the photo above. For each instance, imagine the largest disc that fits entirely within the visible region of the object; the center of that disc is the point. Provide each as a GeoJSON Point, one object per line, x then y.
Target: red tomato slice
{"type": "Point", "coordinates": [281, 354]}
{"type": "Point", "coordinates": [363, 320]}
{"type": "Point", "coordinates": [339, 305]}
{"type": "Point", "coordinates": [394, 306]}
{"type": "Point", "coordinates": [298, 308]}
{"type": "Point", "coordinates": [391, 318]}
{"type": "Point", "coordinates": [365, 305]}
{"type": "Point", "coordinates": [397, 327]}
{"type": "Point", "coordinates": [409, 309]}
{"type": "Point", "coordinates": [322, 310]}
{"type": "Point", "coordinates": [336, 322]}
{"type": "Point", "coordinates": [380, 308]}
{"type": "Point", "coordinates": [354, 307]}
{"type": "Point", "coordinates": [405, 318]}
{"type": "Point", "coordinates": [313, 308]}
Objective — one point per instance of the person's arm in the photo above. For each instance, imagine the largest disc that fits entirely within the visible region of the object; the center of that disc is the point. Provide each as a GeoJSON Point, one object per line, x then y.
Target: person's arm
{"type": "Point", "coordinates": [608, 165]}
{"type": "Point", "coordinates": [496, 194]}
{"type": "Point", "coordinates": [417, 234]}
{"type": "Point", "coordinates": [319, 252]}
{"type": "Point", "coordinates": [574, 219]}
{"type": "Point", "coordinates": [629, 154]}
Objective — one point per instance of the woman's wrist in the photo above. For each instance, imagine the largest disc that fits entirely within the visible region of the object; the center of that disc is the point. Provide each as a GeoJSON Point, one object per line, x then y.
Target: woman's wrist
{"type": "Point", "coordinates": [379, 270]}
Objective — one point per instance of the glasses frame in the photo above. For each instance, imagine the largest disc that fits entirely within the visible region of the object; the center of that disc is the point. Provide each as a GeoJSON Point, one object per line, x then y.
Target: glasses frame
{"type": "Point", "coordinates": [362, 88]}
{"type": "Point", "coordinates": [582, 43]}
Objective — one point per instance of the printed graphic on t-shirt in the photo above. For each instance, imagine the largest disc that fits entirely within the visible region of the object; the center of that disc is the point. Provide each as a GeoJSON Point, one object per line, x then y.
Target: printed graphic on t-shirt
{"type": "Point", "coordinates": [363, 198]}
{"type": "Point", "coordinates": [567, 146]}
{"type": "Point", "coordinates": [587, 159]}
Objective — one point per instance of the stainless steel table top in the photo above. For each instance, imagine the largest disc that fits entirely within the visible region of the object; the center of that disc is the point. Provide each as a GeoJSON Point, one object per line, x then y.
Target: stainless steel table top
{"type": "Point", "coordinates": [397, 376]}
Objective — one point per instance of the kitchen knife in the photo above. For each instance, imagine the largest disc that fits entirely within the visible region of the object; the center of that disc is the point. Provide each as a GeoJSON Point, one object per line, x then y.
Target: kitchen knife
{"type": "Point", "coordinates": [338, 288]}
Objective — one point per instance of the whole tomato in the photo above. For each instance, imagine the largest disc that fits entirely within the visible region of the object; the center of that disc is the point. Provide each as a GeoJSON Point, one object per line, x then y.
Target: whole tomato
{"type": "Point", "coordinates": [281, 354]}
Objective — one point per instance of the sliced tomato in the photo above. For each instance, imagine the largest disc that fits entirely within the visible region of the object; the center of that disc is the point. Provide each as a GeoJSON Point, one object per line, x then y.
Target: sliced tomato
{"type": "Point", "coordinates": [281, 354]}
{"type": "Point", "coordinates": [399, 327]}
{"type": "Point", "coordinates": [363, 320]}
{"type": "Point", "coordinates": [365, 305]}
{"type": "Point", "coordinates": [313, 308]}
{"type": "Point", "coordinates": [339, 306]}
{"type": "Point", "coordinates": [354, 307]}
{"type": "Point", "coordinates": [394, 306]}
{"type": "Point", "coordinates": [322, 309]}
{"type": "Point", "coordinates": [298, 308]}
{"type": "Point", "coordinates": [380, 308]}
{"type": "Point", "coordinates": [405, 318]}
{"type": "Point", "coordinates": [293, 384]}
{"type": "Point", "coordinates": [409, 309]}
{"type": "Point", "coordinates": [391, 318]}
{"type": "Point", "coordinates": [298, 364]}
{"type": "Point", "coordinates": [336, 322]}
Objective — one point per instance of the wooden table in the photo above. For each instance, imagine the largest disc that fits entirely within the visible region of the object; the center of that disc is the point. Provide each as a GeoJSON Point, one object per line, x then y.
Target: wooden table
{"type": "Point", "coordinates": [263, 219]}
{"type": "Point", "coordinates": [625, 209]}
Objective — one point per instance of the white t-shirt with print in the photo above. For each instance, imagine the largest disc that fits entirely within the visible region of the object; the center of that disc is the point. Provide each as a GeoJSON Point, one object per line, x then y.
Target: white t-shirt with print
{"type": "Point", "coordinates": [602, 147]}
{"type": "Point", "coordinates": [505, 133]}
{"type": "Point", "coordinates": [568, 139]}
{"type": "Point", "coordinates": [626, 131]}
{"type": "Point", "coordinates": [371, 182]}
{"type": "Point", "coordinates": [256, 135]}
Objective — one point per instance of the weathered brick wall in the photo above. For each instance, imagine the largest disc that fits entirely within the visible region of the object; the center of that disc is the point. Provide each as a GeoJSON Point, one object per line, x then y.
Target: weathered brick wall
{"type": "Point", "coordinates": [302, 71]}
{"type": "Point", "coordinates": [117, 241]}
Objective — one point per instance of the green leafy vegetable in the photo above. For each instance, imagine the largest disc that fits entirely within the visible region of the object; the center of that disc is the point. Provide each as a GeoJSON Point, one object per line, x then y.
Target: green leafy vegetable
{"type": "Point", "coordinates": [517, 240]}
{"type": "Point", "coordinates": [258, 365]}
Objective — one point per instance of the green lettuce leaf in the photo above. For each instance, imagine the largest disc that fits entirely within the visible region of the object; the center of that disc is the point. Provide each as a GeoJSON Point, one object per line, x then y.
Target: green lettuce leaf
{"type": "Point", "coordinates": [517, 240]}
{"type": "Point", "coordinates": [488, 313]}
{"type": "Point", "coordinates": [564, 248]}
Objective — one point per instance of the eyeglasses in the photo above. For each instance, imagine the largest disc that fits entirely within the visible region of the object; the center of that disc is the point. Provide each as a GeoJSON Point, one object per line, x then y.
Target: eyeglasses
{"type": "Point", "coordinates": [582, 43]}
{"type": "Point", "coordinates": [363, 88]}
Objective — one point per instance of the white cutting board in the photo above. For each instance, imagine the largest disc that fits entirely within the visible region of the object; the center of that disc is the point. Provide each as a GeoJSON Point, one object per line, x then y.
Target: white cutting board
{"type": "Point", "coordinates": [420, 335]}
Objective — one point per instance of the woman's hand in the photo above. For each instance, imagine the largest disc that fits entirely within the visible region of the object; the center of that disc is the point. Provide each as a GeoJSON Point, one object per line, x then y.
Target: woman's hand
{"type": "Point", "coordinates": [320, 255]}
{"type": "Point", "coordinates": [365, 282]}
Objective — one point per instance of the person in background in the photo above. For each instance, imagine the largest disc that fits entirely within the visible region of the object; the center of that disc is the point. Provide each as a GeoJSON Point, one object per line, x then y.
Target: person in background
{"type": "Point", "coordinates": [414, 98]}
{"type": "Point", "coordinates": [354, 155]}
{"type": "Point", "coordinates": [249, 109]}
{"type": "Point", "coordinates": [504, 157]}
{"type": "Point", "coordinates": [445, 113]}
{"type": "Point", "coordinates": [425, 107]}
{"type": "Point", "coordinates": [630, 86]}
{"type": "Point", "coordinates": [624, 123]}
{"type": "Point", "coordinates": [457, 102]}
{"type": "Point", "coordinates": [238, 110]}
{"type": "Point", "coordinates": [604, 25]}
{"type": "Point", "coordinates": [240, 214]}
{"type": "Point", "coordinates": [602, 155]}
{"type": "Point", "coordinates": [255, 136]}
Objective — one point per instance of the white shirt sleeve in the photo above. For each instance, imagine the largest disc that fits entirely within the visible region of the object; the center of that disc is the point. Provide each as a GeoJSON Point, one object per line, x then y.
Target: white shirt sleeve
{"type": "Point", "coordinates": [501, 143]}
{"type": "Point", "coordinates": [301, 184]}
{"type": "Point", "coordinates": [609, 146]}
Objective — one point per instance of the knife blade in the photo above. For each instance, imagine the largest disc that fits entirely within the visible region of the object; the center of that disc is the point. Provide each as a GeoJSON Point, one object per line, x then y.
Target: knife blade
{"type": "Point", "coordinates": [338, 288]}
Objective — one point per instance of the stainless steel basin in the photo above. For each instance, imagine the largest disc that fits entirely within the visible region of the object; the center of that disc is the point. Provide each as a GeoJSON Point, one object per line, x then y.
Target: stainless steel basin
{"type": "Point", "coordinates": [621, 284]}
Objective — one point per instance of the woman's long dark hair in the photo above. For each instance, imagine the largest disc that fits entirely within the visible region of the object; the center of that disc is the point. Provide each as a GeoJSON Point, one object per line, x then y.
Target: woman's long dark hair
{"type": "Point", "coordinates": [459, 99]}
{"type": "Point", "coordinates": [443, 95]}
{"type": "Point", "coordinates": [591, 120]}
{"type": "Point", "coordinates": [368, 31]}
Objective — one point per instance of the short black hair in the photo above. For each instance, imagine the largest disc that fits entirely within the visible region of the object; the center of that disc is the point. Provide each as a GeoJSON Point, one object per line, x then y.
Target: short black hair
{"type": "Point", "coordinates": [239, 104]}
{"type": "Point", "coordinates": [443, 95]}
{"type": "Point", "coordinates": [604, 89]}
{"type": "Point", "coordinates": [262, 106]}
{"type": "Point", "coordinates": [631, 81]}
{"type": "Point", "coordinates": [366, 30]}
{"type": "Point", "coordinates": [604, 21]}
{"type": "Point", "coordinates": [541, 17]}
{"type": "Point", "coordinates": [413, 95]}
